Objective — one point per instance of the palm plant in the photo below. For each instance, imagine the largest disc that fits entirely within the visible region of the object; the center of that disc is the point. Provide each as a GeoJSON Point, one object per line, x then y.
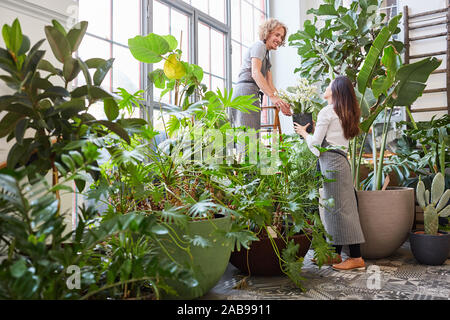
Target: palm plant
{"type": "Point", "coordinates": [400, 85]}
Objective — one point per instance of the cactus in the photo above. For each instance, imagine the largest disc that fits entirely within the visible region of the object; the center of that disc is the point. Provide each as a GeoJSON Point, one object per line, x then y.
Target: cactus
{"type": "Point", "coordinates": [436, 206]}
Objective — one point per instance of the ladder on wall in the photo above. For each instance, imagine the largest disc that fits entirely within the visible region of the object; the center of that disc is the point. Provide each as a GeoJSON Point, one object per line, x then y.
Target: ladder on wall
{"type": "Point", "coordinates": [438, 17]}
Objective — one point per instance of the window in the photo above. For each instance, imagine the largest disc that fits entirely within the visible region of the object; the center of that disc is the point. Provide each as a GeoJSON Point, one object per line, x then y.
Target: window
{"type": "Point", "coordinates": [389, 7]}
{"type": "Point", "coordinates": [246, 16]}
{"type": "Point", "coordinates": [111, 24]}
{"type": "Point", "coordinates": [207, 30]}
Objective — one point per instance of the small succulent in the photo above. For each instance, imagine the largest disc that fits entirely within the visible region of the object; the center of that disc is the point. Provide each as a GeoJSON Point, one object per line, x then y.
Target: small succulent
{"type": "Point", "coordinates": [436, 206]}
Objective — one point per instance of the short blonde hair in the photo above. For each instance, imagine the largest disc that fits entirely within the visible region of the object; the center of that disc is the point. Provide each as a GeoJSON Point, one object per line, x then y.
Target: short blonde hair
{"type": "Point", "coordinates": [268, 26]}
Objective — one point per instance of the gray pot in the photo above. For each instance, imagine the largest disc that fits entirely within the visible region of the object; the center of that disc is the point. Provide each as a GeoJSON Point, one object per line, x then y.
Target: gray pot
{"type": "Point", "coordinates": [386, 219]}
{"type": "Point", "coordinates": [430, 249]}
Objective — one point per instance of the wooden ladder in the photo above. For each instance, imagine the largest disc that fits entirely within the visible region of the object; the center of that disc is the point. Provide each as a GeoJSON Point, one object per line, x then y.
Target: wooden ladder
{"type": "Point", "coordinates": [432, 22]}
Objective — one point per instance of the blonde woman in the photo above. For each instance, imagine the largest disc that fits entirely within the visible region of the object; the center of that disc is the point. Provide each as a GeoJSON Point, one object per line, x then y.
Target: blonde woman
{"type": "Point", "coordinates": [255, 75]}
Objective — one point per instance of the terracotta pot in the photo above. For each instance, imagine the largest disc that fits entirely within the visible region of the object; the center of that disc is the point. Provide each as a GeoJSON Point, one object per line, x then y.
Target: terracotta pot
{"type": "Point", "coordinates": [386, 219]}
{"type": "Point", "coordinates": [262, 260]}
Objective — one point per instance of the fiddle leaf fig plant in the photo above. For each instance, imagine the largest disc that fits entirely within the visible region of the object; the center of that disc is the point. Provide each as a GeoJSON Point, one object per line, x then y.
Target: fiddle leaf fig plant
{"type": "Point", "coordinates": [336, 40]}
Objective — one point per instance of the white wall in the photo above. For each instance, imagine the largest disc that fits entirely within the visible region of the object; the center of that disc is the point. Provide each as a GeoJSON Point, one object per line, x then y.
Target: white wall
{"type": "Point", "coordinates": [285, 60]}
{"type": "Point", "coordinates": [33, 17]}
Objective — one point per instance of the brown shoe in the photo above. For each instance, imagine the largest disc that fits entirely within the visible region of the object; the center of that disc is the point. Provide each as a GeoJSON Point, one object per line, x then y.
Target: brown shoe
{"type": "Point", "coordinates": [331, 260]}
{"type": "Point", "coordinates": [351, 264]}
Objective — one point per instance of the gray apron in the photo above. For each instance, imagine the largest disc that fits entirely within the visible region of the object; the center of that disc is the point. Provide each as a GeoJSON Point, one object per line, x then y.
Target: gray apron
{"type": "Point", "coordinates": [342, 220]}
{"type": "Point", "coordinates": [249, 88]}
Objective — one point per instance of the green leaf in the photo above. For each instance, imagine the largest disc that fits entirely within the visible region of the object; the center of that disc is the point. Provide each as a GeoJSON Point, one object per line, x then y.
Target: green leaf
{"type": "Point", "coordinates": [159, 230]}
{"type": "Point", "coordinates": [18, 269]}
{"type": "Point", "coordinates": [94, 63]}
{"type": "Point", "coordinates": [81, 184]}
{"type": "Point", "coordinates": [172, 41]}
{"type": "Point", "coordinates": [117, 129]}
{"type": "Point", "coordinates": [25, 46]}
{"type": "Point", "coordinates": [58, 26]}
{"type": "Point", "coordinates": [370, 63]}
{"type": "Point", "coordinates": [76, 34]}
{"type": "Point", "coordinates": [324, 10]}
{"type": "Point", "coordinates": [71, 68]}
{"type": "Point", "coordinates": [87, 74]}
{"type": "Point", "coordinates": [158, 78]}
{"type": "Point", "coordinates": [412, 80]}
{"type": "Point", "coordinates": [58, 43]}
{"type": "Point", "coordinates": [111, 109]}
{"type": "Point", "coordinates": [21, 127]}
{"type": "Point", "coordinates": [77, 157]}
{"type": "Point", "coordinates": [13, 36]}
{"type": "Point", "coordinates": [102, 71]}
{"type": "Point", "coordinates": [148, 49]}
{"type": "Point", "coordinates": [8, 123]}
{"type": "Point", "coordinates": [68, 162]}
{"type": "Point", "coordinates": [47, 66]}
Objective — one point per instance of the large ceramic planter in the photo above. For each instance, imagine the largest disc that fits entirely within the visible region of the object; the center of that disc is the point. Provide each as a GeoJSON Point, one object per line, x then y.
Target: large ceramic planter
{"type": "Point", "coordinates": [386, 219]}
{"type": "Point", "coordinates": [261, 259]}
{"type": "Point", "coordinates": [209, 263]}
{"type": "Point", "coordinates": [430, 249]}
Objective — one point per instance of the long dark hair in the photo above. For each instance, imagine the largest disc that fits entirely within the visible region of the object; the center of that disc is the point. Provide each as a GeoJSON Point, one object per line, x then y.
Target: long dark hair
{"type": "Point", "coordinates": [346, 106]}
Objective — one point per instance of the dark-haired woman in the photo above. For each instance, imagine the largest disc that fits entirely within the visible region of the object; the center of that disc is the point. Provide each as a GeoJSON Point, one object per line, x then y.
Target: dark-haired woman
{"type": "Point", "coordinates": [336, 125]}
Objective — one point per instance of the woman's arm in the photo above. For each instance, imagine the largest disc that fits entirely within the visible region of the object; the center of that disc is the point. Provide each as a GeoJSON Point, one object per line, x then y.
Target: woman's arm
{"type": "Point", "coordinates": [320, 132]}
{"type": "Point", "coordinates": [267, 87]}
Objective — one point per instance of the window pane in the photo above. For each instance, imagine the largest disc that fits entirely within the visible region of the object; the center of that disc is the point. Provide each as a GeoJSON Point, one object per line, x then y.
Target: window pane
{"type": "Point", "coordinates": [204, 47]}
{"type": "Point", "coordinates": [247, 24]}
{"type": "Point", "coordinates": [236, 20]}
{"type": "Point", "coordinates": [126, 70]}
{"type": "Point", "coordinates": [98, 14]}
{"type": "Point", "coordinates": [217, 9]}
{"type": "Point", "coordinates": [126, 20]}
{"type": "Point", "coordinates": [94, 48]}
{"type": "Point", "coordinates": [259, 19]}
{"type": "Point", "coordinates": [160, 18]}
{"type": "Point", "coordinates": [236, 60]}
{"type": "Point", "coordinates": [217, 83]}
{"type": "Point", "coordinates": [202, 5]}
{"type": "Point", "coordinates": [180, 30]}
{"type": "Point", "coordinates": [207, 80]}
{"type": "Point", "coordinates": [218, 51]}
{"type": "Point", "coordinates": [260, 4]}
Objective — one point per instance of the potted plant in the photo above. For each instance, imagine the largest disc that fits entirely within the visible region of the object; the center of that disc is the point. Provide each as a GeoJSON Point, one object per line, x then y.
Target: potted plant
{"type": "Point", "coordinates": [166, 181]}
{"type": "Point", "coordinates": [41, 251]}
{"type": "Point", "coordinates": [305, 101]}
{"type": "Point", "coordinates": [282, 210]}
{"type": "Point", "coordinates": [383, 208]}
{"type": "Point", "coordinates": [432, 246]}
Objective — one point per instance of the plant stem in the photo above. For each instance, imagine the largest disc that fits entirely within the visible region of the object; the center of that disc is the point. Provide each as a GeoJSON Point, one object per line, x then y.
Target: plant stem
{"type": "Point", "coordinates": [383, 147]}
{"type": "Point", "coordinates": [374, 155]}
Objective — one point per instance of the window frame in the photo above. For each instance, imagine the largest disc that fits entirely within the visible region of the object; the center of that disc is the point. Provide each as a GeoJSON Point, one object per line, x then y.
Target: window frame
{"type": "Point", "coordinates": [195, 17]}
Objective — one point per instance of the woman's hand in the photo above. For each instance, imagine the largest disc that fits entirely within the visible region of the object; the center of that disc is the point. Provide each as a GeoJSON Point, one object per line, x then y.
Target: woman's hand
{"type": "Point", "coordinates": [301, 130]}
{"type": "Point", "coordinates": [283, 105]}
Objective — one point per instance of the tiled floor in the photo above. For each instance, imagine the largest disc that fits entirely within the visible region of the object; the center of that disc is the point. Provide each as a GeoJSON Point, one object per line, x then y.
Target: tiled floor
{"type": "Point", "coordinates": [398, 277]}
